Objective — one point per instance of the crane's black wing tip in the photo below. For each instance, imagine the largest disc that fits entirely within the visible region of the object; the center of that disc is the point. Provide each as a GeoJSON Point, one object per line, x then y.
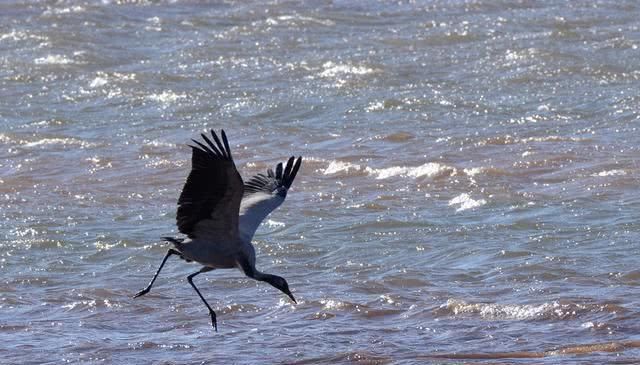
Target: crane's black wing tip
{"type": "Point", "coordinates": [259, 183]}
{"type": "Point", "coordinates": [202, 147]}
{"type": "Point", "coordinates": [293, 170]}
{"type": "Point", "coordinates": [224, 145]}
{"type": "Point", "coordinates": [283, 176]}
{"type": "Point", "coordinates": [217, 147]}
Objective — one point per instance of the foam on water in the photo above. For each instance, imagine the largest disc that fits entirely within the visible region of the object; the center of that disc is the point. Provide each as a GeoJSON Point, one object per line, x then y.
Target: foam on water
{"type": "Point", "coordinates": [67, 10]}
{"type": "Point", "coordinates": [55, 59]}
{"type": "Point", "coordinates": [473, 171]}
{"type": "Point", "coordinates": [166, 97]}
{"type": "Point", "coordinates": [98, 82]}
{"type": "Point", "coordinates": [545, 311]}
{"type": "Point", "coordinates": [336, 167]}
{"type": "Point", "coordinates": [304, 19]}
{"type": "Point", "coordinates": [464, 202]}
{"type": "Point", "coordinates": [59, 141]}
{"type": "Point", "coordinates": [274, 224]}
{"type": "Point", "coordinates": [611, 173]}
{"type": "Point", "coordinates": [429, 170]}
{"type": "Point", "coordinates": [331, 69]}
{"type": "Point", "coordinates": [510, 139]}
{"type": "Point", "coordinates": [17, 36]}
{"type": "Point", "coordinates": [5, 138]}
{"type": "Point", "coordinates": [503, 311]}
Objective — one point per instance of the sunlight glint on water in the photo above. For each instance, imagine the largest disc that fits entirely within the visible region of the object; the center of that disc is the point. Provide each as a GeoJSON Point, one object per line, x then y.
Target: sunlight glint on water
{"type": "Point", "coordinates": [469, 187]}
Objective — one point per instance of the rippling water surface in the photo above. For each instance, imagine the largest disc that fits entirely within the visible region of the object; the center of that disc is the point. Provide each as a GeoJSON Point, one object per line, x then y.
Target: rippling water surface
{"type": "Point", "coordinates": [469, 190]}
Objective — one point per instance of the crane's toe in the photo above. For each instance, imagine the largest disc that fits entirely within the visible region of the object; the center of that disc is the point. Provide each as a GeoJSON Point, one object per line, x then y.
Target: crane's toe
{"type": "Point", "coordinates": [141, 293]}
{"type": "Point", "coordinates": [214, 323]}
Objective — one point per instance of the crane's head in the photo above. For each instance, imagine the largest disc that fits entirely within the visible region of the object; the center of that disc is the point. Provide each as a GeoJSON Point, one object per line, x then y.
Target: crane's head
{"type": "Point", "coordinates": [281, 284]}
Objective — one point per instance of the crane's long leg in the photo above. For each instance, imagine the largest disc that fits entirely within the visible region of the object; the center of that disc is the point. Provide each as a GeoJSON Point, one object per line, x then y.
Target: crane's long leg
{"type": "Point", "coordinates": [211, 312]}
{"type": "Point", "coordinates": [144, 291]}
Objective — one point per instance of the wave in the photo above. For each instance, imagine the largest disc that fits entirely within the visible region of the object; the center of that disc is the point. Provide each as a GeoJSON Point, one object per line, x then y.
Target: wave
{"type": "Point", "coordinates": [509, 139]}
{"type": "Point", "coordinates": [576, 349]}
{"type": "Point", "coordinates": [465, 202]}
{"type": "Point", "coordinates": [53, 60]}
{"type": "Point", "coordinates": [296, 18]}
{"type": "Point", "coordinates": [274, 224]}
{"type": "Point", "coordinates": [548, 310]}
{"type": "Point", "coordinates": [18, 36]}
{"type": "Point", "coordinates": [331, 69]}
{"type": "Point", "coordinates": [60, 141]}
{"type": "Point", "coordinates": [164, 163]}
{"type": "Point", "coordinates": [610, 173]}
{"type": "Point", "coordinates": [98, 82]}
{"type": "Point", "coordinates": [429, 169]}
{"type": "Point", "coordinates": [59, 11]}
{"type": "Point", "coordinates": [359, 357]}
{"type": "Point", "coordinates": [166, 97]}
{"type": "Point", "coordinates": [336, 167]}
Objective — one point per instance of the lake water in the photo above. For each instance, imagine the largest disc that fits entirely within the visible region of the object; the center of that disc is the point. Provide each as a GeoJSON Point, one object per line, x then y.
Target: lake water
{"type": "Point", "coordinates": [469, 191]}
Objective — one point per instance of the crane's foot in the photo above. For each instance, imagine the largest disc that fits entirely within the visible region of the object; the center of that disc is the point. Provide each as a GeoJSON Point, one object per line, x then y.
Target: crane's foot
{"type": "Point", "coordinates": [214, 323]}
{"type": "Point", "coordinates": [141, 293]}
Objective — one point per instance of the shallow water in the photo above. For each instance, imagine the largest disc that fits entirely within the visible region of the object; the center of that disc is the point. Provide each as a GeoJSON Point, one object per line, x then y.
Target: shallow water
{"type": "Point", "coordinates": [468, 191]}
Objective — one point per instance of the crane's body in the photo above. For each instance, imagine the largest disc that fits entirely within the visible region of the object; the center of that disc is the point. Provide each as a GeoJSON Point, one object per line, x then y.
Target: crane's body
{"type": "Point", "coordinates": [224, 256]}
{"type": "Point", "coordinates": [219, 214]}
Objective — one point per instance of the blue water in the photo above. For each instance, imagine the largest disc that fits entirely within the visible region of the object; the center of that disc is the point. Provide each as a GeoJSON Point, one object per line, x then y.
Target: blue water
{"type": "Point", "coordinates": [468, 192]}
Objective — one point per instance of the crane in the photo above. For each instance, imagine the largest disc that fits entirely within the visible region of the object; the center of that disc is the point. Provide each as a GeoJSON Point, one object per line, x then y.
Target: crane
{"type": "Point", "coordinates": [219, 214]}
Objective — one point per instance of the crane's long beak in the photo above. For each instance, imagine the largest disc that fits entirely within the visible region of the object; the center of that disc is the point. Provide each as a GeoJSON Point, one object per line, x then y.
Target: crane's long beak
{"type": "Point", "coordinates": [292, 298]}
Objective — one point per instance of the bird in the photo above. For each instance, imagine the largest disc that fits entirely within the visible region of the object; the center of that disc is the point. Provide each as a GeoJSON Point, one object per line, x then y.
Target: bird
{"type": "Point", "coordinates": [219, 214]}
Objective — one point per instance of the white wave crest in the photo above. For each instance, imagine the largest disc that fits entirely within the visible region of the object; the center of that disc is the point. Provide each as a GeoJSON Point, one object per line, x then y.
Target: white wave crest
{"type": "Point", "coordinates": [332, 69]}
{"type": "Point", "coordinates": [98, 82]}
{"type": "Point", "coordinates": [611, 173]}
{"type": "Point", "coordinates": [274, 224]}
{"type": "Point", "coordinates": [166, 97]}
{"type": "Point", "coordinates": [53, 60]}
{"type": "Point", "coordinates": [20, 36]}
{"type": "Point", "coordinates": [473, 171]}
{"type": "Point", "coordinates": [60, 141]}
{"type": "Point", "coordinates": [502, 311]}
{"type": "Point", "coordinates": [305, 19]}
{"type": "Point", "coordinates": [429, 169]}
{"type": "Point", "coordinates": [59, 11]}
{"type": "Point", "coordinates": [339, 166]}
{"type": "Point", "coordinates": [466, 202]}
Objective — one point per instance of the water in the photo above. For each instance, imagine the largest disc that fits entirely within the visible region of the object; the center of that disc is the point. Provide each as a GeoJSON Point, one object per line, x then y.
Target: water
{"type": "Point", "coordinates": [468, 192]}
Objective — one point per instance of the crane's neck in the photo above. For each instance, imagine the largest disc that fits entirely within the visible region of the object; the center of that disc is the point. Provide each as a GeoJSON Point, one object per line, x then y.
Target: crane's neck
{"type": "Point", "coordinates": [267, 278]}
{"type": "Point", "coordinates": [251, 271]}
{"type": "Point", "coordinates": [274, 280]}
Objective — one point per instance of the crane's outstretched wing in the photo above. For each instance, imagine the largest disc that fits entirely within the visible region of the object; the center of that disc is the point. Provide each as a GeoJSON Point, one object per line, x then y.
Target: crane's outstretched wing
{"type": "Point", "coordinates": [210, 200]}
{"type": "Point", "coordinates": [264, 193]}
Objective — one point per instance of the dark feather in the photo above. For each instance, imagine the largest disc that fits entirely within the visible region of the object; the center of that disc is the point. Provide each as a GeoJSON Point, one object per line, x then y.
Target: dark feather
{"type": "Point", "coordinates": [204, 136]}
{"type": "Point", "coordinates": [292, 172]}
{"type": "Point", "coordinates": [273, 180]}
{"type": "Point", "coordinates": [208, 184]}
